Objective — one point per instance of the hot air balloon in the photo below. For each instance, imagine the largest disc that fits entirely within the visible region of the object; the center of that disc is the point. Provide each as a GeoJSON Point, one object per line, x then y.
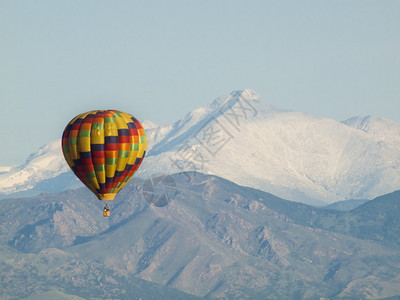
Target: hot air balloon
{"type": "Point", "coordinates": [104, 148]}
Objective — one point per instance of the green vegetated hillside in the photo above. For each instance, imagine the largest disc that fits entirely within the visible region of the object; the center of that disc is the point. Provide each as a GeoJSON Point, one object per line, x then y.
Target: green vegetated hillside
{"type": "Point", "coordinates": [214, 239]}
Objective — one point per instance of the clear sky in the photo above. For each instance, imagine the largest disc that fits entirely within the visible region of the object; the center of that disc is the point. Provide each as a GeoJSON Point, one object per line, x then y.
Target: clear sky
{"type": "Point", "coordinates": [159, 60]}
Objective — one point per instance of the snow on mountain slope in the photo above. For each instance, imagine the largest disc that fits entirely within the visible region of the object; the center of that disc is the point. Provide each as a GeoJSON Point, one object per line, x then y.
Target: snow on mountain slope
{"type": "Point", "coordinates": [149, 125]}
{"type": "Point", "coordinates": [47, 162]}
{"type": "Point", "coordinates": [243, 139]}
{"type": "Point", "coordinates": [382, 129]}
{"type": "Point", "coordinates": [5, 169]}
{"type": "Point", "coordinates": [290, 154]}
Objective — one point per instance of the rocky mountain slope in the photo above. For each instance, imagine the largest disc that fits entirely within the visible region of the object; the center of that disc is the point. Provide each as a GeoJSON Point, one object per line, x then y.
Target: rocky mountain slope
{"type": "Point", "coordinates": [213, 239]}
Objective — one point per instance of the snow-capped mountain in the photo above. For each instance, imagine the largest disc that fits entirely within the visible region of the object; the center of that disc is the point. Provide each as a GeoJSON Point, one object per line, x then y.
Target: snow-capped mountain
{"type": "Point", "coordinates": [41, 166]}
{"type": "Point", "coordinates": [248, 141]}
{"type": "Point", "coordinates": [381, 129]}
{"type": "Point", "coordinates": [290, 154]}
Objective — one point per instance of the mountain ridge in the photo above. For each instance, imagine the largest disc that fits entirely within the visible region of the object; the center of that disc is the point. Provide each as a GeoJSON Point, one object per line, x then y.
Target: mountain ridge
{"type": "Point", "coordinates": [214, 239]}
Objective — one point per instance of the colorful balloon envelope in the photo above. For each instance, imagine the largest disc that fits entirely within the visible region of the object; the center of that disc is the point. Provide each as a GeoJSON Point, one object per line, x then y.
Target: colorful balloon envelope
{"type": "Point", "coordinates": [104, 148]}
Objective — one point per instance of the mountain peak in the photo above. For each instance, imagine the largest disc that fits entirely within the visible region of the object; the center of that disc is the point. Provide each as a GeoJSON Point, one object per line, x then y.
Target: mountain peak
{"type": "Point", "coordinates": [358, 122]}
{"type": "Point", "coordinates": [47, 162]}
{"type": "Point", "coordinates": [249, 94]}
{"type": "Point", "coordinates": [380, 128]}
{"type": "Point", "coordinates": [149, 125]}
{"type": "Point", "coordinates": [233, 98]}
{"type": "Point", "coordinates": [43, 151]}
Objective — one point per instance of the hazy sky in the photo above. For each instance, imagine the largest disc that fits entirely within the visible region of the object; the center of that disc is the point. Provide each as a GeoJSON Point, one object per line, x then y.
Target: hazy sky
{"type": "Point", "coordinates": [159, 60]}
